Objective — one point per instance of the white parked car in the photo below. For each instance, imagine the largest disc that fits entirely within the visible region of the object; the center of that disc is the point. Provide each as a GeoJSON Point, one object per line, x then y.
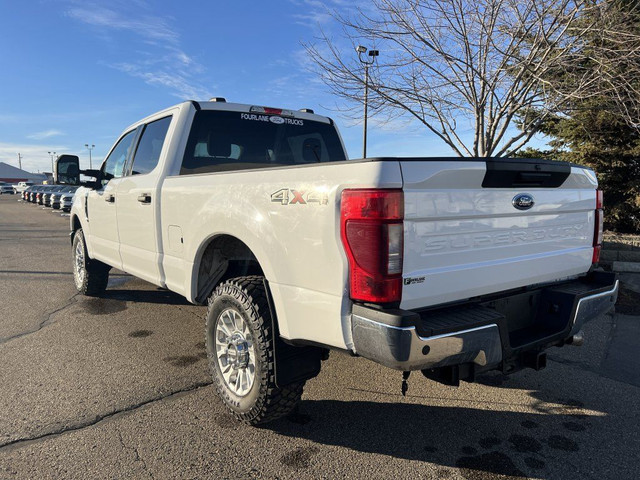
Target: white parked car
{"type": "Point", "coordinates": [63, 199]}
{"type": "Point", "coordinates": [6, 188]}
{"type": "Point", "coordinates": [450, 266]}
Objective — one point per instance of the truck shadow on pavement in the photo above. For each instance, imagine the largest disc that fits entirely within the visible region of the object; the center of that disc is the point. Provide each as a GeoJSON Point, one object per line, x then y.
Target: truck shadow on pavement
{"type": "Point", "coordinates": [482, 443]}
{"type": "Point", "coordinates": [157, 296]}
{"type": "Point", "coordinates": [114, 300]}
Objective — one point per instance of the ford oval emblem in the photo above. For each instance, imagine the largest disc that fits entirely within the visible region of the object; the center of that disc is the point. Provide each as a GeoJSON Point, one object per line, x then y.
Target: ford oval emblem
{"type": "Point", "coordinates": [523, 201]}
{"type": "Point", "coordinates": [276, 120]}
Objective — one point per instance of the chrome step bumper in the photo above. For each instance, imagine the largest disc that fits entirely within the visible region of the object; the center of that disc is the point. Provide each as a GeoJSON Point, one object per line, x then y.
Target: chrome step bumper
{"type": "Point", "coordinates": [392, 337]}
{"type": "Point", "coordinates": [402, 348]}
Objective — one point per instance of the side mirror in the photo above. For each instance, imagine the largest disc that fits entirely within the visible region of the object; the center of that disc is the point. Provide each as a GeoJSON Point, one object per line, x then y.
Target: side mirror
{"type": "Point", "coordinates": [97, 174]}
{"type": "Point", "coordinates": [67, 170]}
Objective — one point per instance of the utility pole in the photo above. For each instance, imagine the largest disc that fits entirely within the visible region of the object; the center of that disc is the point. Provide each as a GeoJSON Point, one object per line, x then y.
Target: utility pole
{"type": "Point", "coordinates": [53, 154]}
{"type": "Point", "coordinates": [20, 161]}
{"type": "Point", "coordinates": [367, 63]}
{"type": "Point", "coordinates": [366, 108]}
{"type": "Point", "coordinates": [89, 148]}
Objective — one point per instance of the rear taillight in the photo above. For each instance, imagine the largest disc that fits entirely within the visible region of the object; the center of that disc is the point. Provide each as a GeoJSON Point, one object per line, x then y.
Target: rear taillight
{"type": "Point", "coordinates": [597, 234]}
{"type": "Point", "coordinates": [372, 233]}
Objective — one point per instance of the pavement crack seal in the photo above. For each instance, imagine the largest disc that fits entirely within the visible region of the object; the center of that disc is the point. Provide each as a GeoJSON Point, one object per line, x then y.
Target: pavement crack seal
{"type": "Point", "coordinates": [21, 442]}
{"type": "Point", "coordinates": [46, 319]}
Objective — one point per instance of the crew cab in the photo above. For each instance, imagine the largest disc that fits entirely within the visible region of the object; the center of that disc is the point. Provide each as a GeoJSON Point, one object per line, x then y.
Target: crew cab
{"type": "Point", "coordinates": [449, 266]}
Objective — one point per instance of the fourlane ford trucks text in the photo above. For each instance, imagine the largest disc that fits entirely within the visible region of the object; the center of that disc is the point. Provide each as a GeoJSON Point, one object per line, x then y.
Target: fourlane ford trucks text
{"type": "Point", "coordinates": [448, 266]}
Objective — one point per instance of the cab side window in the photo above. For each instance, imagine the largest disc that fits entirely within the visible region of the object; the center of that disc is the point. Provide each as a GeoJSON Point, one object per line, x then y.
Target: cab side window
{"type": "Point", "coordinates": [113, 166]}
{"type": "Point", "coordinates": [150, 145]}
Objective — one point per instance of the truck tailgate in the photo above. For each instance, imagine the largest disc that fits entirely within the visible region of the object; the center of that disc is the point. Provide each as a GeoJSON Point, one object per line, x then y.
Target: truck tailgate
{"type": "Point", "coordinates": [464, 236]}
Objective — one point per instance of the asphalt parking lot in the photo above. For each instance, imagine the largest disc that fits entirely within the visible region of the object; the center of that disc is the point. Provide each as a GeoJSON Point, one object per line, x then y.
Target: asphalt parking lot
{"type": "Point", "coordinates": [118, 387]}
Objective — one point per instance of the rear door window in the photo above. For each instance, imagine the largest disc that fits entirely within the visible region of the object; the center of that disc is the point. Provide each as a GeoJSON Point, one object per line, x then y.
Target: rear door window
{"type": "Point", "coordinates": [223, 141]}
{"type": "Point", "coordinates": [150, 145]}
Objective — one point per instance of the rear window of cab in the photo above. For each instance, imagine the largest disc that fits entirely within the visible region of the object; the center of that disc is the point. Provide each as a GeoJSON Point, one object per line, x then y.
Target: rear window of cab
{"type": "Point", "coordinates": [224, 141]}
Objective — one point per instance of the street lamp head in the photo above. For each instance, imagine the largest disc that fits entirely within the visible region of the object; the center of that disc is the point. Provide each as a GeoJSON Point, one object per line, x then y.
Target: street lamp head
{"type": "Point", "coordinates": [363, 59]}
{"type": "Point", "coordinates": [86, 145]}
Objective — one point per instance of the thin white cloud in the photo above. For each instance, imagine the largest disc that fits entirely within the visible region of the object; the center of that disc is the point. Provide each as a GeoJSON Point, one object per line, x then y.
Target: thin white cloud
{"type": "Point", "coordinates": [181, 85]}
{"type": "Point", "coordinates": [183, 58]}
{"type": "Point", "coordinates": [158, 59]}
{"type": "Point", "coordinates": [319, 17]}
{"type": "Point", "coordinates": [147, 26]}
{"type": "Point", "coordinates": [46, 134]}
{"type": "Point", "coordinates": [34, 157]}
{"type": "Point", "coordinates": [321, 12]}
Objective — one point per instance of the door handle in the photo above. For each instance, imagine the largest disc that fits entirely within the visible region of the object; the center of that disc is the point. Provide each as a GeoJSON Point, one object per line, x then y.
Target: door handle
{"type": "Point", "coordinates": [110, 198]}
{"type": "Point", "coordinates": [144, 198]}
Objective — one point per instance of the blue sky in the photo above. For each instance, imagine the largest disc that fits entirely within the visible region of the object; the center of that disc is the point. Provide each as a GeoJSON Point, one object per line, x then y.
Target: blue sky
{"type": "Point", "coordinates": [77, 72]}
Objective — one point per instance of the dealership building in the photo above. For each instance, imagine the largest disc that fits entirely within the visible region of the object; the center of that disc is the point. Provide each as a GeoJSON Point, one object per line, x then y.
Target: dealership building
{"type": "Point", "coordinates": [13, 175]}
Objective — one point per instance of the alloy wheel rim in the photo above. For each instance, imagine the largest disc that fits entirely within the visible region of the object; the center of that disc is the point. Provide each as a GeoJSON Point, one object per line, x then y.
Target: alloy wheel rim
{"type": "Point", "coordinates": [78, 265]}
{"type": "Point", "coordinates": [235, 352]}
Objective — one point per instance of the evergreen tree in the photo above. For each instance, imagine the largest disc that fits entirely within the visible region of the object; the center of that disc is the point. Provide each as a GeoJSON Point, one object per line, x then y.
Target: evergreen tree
{"type": "Point", "coordinates": [594, 133]}
{"type": "Point", "coordinates": [595, 137]}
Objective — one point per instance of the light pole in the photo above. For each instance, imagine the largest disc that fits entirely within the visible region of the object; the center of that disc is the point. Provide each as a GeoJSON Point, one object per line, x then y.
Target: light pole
{"type": "Point", "coordinates": [89, 148]}
{"type": "Point", "coordinates": [367, 63]}
{"type": "Point", "coordinates": [53, 154]}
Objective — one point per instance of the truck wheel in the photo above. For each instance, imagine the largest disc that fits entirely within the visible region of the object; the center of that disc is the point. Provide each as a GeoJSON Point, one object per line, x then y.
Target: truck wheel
{"type": "Point", "coordinates": [239, 339]}
{"type": "Point", "coordinates": [90, 276]}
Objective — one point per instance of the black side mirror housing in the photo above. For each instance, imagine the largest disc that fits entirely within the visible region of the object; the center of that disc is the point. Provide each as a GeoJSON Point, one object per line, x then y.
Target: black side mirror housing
{"type": "Point", "coordinates": [97, 174]}
{"type": "Point", "coordinates": [67, 170]}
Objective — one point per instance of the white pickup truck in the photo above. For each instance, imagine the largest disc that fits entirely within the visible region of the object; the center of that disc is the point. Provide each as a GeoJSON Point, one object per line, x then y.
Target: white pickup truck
{"type": "Point", "coordinates": [448, 266]}
{"type": "Point", "coordinates": [21, 186]}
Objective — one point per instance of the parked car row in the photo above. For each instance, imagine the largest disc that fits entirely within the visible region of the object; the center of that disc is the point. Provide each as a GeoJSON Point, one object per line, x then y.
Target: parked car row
{"type": "Point", "coordinates": [54, 196]}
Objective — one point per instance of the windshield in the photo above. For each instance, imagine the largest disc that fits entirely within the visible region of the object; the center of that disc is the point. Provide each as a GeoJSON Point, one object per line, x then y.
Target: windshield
{"type": "Point", "coordinates": [223, 141]}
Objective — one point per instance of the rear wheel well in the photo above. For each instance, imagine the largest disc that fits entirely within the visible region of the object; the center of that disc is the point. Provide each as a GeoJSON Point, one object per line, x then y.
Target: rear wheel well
{"type": "Point", "coordinates": [224, 257]}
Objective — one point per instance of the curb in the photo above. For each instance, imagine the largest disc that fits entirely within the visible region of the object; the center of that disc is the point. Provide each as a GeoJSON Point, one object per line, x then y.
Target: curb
{"type": "Point", "coordinates": [619, 255]}
{"type": "Point", "coordinates": [628, 267]}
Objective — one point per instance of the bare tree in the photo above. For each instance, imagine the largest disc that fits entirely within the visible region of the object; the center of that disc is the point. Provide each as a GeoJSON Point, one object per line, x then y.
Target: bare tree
{"type": "Point", "coordinates": [471, 71]}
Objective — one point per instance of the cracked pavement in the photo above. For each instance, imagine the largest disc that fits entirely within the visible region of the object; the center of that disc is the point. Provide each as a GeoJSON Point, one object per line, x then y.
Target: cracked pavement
{"type": "Point", "coordinates": [118, 387]}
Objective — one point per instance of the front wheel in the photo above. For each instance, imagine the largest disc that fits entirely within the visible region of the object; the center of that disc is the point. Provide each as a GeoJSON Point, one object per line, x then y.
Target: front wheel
{"type": "Point", "coordinates": [90, 276]}
{"type": "Point", "coordinates": [240, 347]}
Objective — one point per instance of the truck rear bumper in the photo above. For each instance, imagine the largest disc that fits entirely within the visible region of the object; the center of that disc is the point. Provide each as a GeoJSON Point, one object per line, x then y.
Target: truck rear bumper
{"type": "Point", "coordinates": [489, 333]}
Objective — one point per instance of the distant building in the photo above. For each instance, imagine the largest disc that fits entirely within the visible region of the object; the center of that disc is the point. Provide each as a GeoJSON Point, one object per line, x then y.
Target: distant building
{"type": "Point", "coordinates": [12, 174]}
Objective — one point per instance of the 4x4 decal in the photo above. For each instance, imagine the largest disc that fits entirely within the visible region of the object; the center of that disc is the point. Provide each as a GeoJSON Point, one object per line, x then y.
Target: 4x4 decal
{"type": "Point", "coordinates": [289, 196]}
